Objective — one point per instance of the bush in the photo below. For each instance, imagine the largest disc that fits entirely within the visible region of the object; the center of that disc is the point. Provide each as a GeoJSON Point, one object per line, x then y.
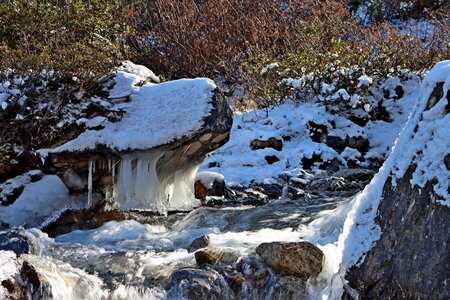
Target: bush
{"type": "Point", "coordinates": [72, 37]}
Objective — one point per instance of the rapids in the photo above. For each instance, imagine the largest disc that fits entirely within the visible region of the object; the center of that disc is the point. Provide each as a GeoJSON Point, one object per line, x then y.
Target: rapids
{"type": "Point", "coordinates": [130, 260]}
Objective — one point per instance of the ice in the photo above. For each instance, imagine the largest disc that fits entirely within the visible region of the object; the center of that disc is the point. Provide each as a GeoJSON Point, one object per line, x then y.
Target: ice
{"type": "Point", "coordinates": [140, 185]}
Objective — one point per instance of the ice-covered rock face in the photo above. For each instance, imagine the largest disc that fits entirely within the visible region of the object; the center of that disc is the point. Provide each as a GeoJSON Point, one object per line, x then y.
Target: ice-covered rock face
{"type": "Point", "coordinates": [148, 159]}
{"type": "Point", "coordinates": [398, 227]}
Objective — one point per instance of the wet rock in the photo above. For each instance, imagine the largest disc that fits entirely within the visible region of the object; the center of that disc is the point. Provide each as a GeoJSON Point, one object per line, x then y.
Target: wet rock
{"type": "Point", "coordinates": [447, 162]}
{"type": "Point", "coordinates": [270, 143]}
{"type": "Point", "coordinates": [71, 220]}
{"type": "Point", "coordinates": [29, 273]}
{"type": "Point", "coordinates": [331, 165]}
{"type": "Point", "coordinates": [17, 241]}
{"type": "Point", "coordinates": [290, 192]}
{"type": "Point", "coordinates": [198, 243]}
{"type": "Point", "coordinates": [355, 174]}
{"type": "Point", "coordinates": [332, 184]}
{"type": "Point", "coordinates": [271, 159]}
{"type": "Point", "coordinates": [194, 284]}
{"type": "Point", "coordinates": [301, 259]}
{"type": "Point", "coordinates": [273, 191]}
{"type": "Point", "coordinates": [290, 288]}
{"type": "Point", "coordinates": [14, 289]}
{"type": "Point", "coordinates": [211, 256]}
{"type": "Point", "coordinates": [239, 285]}
{"type": "Point", "coordinates": [413, 246]}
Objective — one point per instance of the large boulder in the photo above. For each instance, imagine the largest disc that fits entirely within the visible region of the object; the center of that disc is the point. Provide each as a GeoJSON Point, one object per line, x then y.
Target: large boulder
{"type": "Point", "coordinates": [148, 158]}
{"type": "Point", "coordinates": [300, 259]}
{"type": "Point", "coordinates": [396, 239]}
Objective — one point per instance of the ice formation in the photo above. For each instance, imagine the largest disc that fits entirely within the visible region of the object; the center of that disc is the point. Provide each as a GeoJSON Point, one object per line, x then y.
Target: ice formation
{"type": "Point", "coordinates": [142, 185]}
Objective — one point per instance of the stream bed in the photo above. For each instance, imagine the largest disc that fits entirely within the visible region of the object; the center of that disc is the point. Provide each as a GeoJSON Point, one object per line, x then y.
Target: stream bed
{"type": "Point", "coordinates": [131, 260]}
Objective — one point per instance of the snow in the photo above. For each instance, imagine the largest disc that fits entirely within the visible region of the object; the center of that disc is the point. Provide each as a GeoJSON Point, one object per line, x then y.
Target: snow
{"type": "Point", "coordinates": [365, 80]}
{"type": "Point", "coordinates": [138, 70]}
{"type": "Point", "coordinates": [38, 201]}
{"type": "Point", "coordinates": [238, 164]}
{"type": "Point", "coordinates": [8, 267]}
{"type": "Point", "coordinates": [421, 142]}
{"type": "Point", "coordinates": [268, 67]}
{"type": "Point", "coordinates": [156, 115]}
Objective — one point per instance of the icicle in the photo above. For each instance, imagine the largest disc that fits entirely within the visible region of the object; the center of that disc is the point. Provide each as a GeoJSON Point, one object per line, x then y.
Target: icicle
{"type": "Point", "coordinates": [140, 186]}
{"type": "Point", "coordinates": [90, 183]}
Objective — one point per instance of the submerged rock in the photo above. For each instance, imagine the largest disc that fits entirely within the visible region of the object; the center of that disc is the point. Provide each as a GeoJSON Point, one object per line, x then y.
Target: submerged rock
{"type": "Point", "coordinates": [300, 259]}
{"type": "Point", "coordinates": [193, 284]}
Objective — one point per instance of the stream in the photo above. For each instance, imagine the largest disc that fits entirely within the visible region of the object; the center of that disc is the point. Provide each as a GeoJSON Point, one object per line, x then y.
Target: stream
{"type": "Point", "coordinates": [130, 260]}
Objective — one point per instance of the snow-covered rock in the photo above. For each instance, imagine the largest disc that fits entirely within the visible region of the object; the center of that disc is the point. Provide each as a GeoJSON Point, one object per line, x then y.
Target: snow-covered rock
{"type": "Point", "coordinates": [148, 159]}
{"type": "Point", "coordinates": [398, 225]}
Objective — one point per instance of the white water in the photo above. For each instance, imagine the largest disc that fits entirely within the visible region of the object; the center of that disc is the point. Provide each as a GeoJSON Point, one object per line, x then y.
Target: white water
{"type": "Point", "coordinates": [129, 260]}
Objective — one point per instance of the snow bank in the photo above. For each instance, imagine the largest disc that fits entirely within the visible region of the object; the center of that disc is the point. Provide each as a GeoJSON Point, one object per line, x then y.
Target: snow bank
{"type": "Point", "coordinates": [156, 114]}
{"type": "Point", "coordinates": [289, 123]}
{"type": "Point", "coordinates": [38, 201]}
{"type": "Point", "coordinates": [425, 141]}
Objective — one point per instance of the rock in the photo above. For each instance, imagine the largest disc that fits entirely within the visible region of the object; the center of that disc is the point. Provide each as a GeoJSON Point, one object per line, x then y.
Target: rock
{"type": "Point", "coordinates": [409, 258]}
{"type": "Point", "coordinates": [447, 162]}
{"type": "Point", "coordinates": [198, 243]}
{"type": "Point", "coordinates": [332, 184]}
{"type": "Point", "coordinates": [211, 256]}
{"type": "Point", "coordinates": [11, 189]}
{"type": "Point", "coordinates": [161, 144]}
{"type": "Point", "coordinates": [357, 142]}
{"type": "Point", "coordinates": [290, 287]}
{"type": "Point", "coordinates": [29, 273]}
{"type": "Point", "coordinates": [92, 218]}
{"type": "Point", "coordinates": [270, 143]}
{"type": "Point", "coordinates": [317, 132]}
{"type": "Point", "coordinates": [15, 289]}
{"type": "Point", "coordinates": [300, 259]}
{"type": "Point", "coordinates": [209, 184]}
{"type": "Point", "coordinates": [271, 159]}
{"type": "Point", "coordinates": [355, 174]}
{"type": "Point", "coordinates": [194, 284]}
{"type": "Point", "coordinates": [335, 142]}
{"type": "Point", "coordinates": [290, 192]}
{"type": "Point", "coordinates": [273, 191]}
{"type": "Point", "coordinates": [17, 241]}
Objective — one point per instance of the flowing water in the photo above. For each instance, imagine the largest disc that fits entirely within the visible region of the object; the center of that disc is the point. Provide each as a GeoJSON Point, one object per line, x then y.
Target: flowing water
{"type": "Point", "coordinates": [130, 260]}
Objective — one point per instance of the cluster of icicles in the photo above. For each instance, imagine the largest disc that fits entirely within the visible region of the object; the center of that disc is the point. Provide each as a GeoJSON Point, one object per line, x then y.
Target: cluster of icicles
{"type": "Point", "coordinates": [138, 185]}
